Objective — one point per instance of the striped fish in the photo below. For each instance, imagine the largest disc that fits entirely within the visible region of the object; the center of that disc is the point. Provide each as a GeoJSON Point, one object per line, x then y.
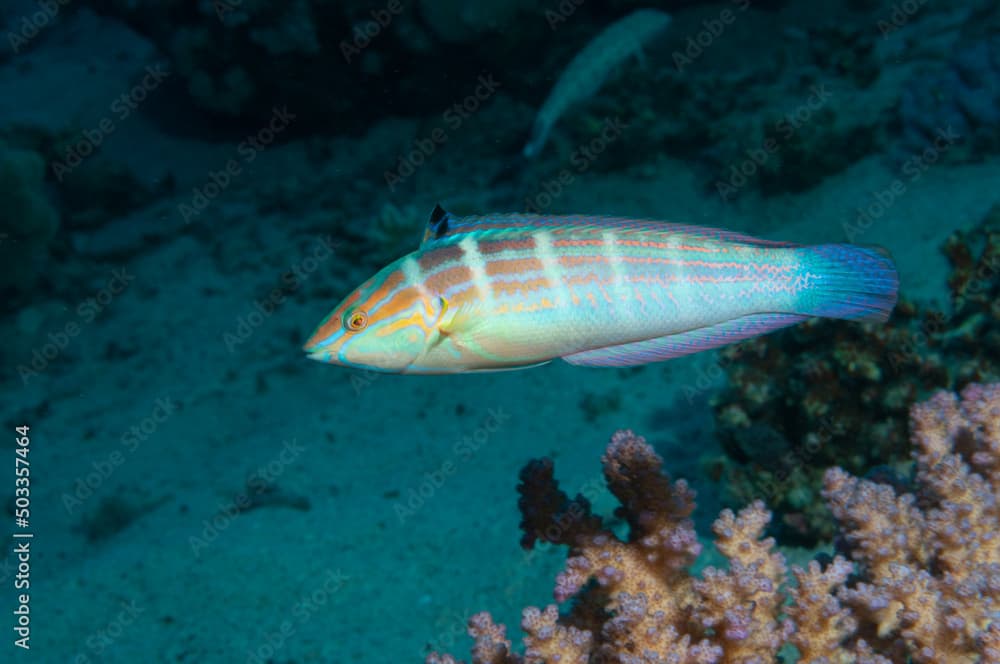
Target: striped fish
{"type": "Point", "coordinates": [497, 292]}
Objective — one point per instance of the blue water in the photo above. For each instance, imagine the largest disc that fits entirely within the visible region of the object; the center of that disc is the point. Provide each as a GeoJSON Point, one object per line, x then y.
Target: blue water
{"type": "Point", "coordinates": [191, 187]}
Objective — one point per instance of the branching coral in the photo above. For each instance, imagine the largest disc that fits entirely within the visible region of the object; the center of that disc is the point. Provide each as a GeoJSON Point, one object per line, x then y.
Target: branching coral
{"type": "Point", "coordinates": [924, 585]}
{"type": "Point", "coordinates": [931, 560]}
{"type": "Point", "coordinates": [643, 604]}
{"type": "Point", "coordinates": [776, 420]}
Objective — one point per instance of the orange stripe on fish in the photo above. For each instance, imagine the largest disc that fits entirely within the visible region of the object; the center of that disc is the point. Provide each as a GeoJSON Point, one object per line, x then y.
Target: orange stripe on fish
{"type": "Point", "coordinates": [507, 291]}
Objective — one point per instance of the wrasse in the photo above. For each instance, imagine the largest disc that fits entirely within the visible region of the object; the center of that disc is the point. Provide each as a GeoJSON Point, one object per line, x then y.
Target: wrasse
{"type": "Point", "coordinates": [591, 67]}
{"type": "Point", "coordinates": [495, 292]}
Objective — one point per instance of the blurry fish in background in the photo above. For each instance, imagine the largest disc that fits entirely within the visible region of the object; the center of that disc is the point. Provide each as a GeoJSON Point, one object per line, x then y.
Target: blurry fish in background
{"type": "Point", "coordinates": [590, 68]}
{"type": "Point", "coordinates": [496, 292]}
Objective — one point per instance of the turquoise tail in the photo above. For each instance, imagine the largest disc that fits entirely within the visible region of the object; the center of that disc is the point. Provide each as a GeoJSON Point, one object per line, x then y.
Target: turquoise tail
{"type": "Point", "coordinates": [849, 282]}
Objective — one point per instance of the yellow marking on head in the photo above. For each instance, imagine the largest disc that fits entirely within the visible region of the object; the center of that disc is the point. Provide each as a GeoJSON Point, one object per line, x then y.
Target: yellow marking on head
{"type": "Point", "coordinates": [414, 318]}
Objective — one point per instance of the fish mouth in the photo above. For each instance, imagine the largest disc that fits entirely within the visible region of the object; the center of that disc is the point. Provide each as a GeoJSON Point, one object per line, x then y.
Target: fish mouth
{"type": "Point", "coordinates": [317, 355]}
{"type": "Point", "coordinates": [317, 348]}
{"type": "Point", "coordinates": [323, 338]}
{"type": "Point", "coordinates": [318, 342]}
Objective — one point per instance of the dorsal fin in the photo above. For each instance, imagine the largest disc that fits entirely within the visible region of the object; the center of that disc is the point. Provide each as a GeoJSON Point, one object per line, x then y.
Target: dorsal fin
{"type": "Point", "coordinates": [444, 224]}
{"type": "Point", "coordinates": [437, 225]}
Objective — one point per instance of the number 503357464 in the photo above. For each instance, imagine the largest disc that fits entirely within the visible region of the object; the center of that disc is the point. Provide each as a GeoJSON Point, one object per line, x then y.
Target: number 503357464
{"type": "Point", "coordinates": [22, 472]}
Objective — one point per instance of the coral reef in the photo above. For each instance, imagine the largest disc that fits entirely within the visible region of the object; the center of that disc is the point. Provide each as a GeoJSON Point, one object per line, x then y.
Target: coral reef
{"type": "Point", "coordinates": [776, 421]}
{"type": "Point", "coordinates": [794, 132]}
{"type": "Point", "coordinates": [929, 562]}
{"type": "Point", "coordinates": [830, 95]}
{"type": "Point", "coordinates": [236, 59]}
{"type": "Point", "coordinates": [815, 396]}
{"type": "Point", "coordinates": [973, 339]}
{"type": "Point", "coordinates": [963, 96]}
{"type": "Point", "coordinates": [774, 126]}
{"type": "Point", "coordinates": [243, 57]}
{"type": "Point", "coordinates": [834, 92]}
{"type": "Point", "coordinates": [924, 586]}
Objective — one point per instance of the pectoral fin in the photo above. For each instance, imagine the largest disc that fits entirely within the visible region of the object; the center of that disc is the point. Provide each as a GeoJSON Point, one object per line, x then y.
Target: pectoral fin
{"type": "Point", "coordinates": [460, 324]}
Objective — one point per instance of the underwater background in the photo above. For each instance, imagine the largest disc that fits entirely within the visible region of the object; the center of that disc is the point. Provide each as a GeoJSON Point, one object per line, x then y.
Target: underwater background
{"type": "Point", "coordinates": [188, 188]}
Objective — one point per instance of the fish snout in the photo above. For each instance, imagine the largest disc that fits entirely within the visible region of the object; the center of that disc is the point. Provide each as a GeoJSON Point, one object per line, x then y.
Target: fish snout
{"type": "Point", "coordinates": [324, 342]}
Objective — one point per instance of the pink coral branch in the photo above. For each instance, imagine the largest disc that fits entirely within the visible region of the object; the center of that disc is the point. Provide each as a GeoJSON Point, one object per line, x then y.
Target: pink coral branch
{"type": "Point", "coordinates": [924, 585]}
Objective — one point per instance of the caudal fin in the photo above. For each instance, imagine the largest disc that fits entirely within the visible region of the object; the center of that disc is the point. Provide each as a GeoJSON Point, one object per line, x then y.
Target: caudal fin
{"type": "Point", "coordinates": [849, 282]}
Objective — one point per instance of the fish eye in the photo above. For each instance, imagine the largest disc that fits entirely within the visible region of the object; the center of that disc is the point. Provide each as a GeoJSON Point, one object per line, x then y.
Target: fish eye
{"type": "Point", "coordinates": [355, 320]}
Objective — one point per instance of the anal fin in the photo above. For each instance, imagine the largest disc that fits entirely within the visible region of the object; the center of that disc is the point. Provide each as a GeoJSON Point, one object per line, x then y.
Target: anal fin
{"type": "Point", "coordinates": [683, 343]}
